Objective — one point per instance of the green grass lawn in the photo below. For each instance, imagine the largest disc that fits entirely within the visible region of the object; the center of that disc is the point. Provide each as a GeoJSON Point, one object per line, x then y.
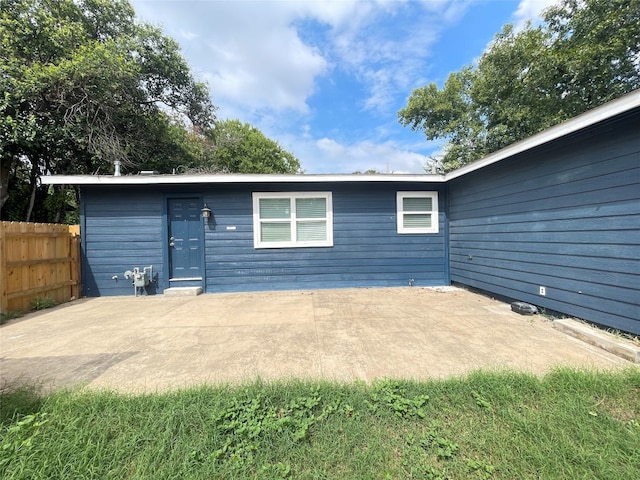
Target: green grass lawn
{"type": "Point", "coordinates": [569, 424]}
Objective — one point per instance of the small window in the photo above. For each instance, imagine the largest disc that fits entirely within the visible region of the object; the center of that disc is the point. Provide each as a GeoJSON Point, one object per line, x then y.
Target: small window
{"type": "Point", "coordinates": [282, 220]}
{"type": "Point", "coordinates": [417, 212]}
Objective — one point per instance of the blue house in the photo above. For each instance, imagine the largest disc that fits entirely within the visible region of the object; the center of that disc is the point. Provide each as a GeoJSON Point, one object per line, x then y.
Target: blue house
{"type": "Point", "coordinates": [264, 232]}
{"type": "Point", "coordinates": [553, 220]}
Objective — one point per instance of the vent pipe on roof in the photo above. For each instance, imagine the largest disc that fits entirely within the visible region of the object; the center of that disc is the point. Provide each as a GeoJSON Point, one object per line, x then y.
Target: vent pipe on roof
{"type": "Point", "coordinates": [116, 165]}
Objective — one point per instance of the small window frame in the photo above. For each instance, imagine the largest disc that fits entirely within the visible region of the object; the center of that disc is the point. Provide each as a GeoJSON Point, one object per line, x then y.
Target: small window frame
{"type": "Point", "coordinates": [434, 228]}
{"type": "Point", "coordinates": [294, 242]}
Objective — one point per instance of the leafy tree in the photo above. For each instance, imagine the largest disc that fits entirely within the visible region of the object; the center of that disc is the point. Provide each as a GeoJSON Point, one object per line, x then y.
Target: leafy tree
{"type": "Point", "coordinates": [83, 84]}
{"type": "Point", "coordinates": [585, 53]}
{"type": "Point", "coordinates": [242, 148]}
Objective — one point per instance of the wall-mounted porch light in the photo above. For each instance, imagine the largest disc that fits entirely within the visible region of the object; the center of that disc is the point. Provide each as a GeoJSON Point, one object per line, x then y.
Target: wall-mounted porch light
{"type": "Point", "coordinates": [206, 212]}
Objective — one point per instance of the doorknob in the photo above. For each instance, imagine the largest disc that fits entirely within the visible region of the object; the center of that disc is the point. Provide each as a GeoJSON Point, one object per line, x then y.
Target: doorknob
{"type": "Point", "coordinates": [171, 241]}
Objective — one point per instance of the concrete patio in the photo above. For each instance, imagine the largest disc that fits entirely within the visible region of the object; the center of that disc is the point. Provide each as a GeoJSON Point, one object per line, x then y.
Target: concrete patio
{"type": "Point", "coordinates": [156, 343]}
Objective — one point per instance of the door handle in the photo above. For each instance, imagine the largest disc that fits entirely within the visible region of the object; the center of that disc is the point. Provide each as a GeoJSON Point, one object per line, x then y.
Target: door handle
{"type": "Point", "coordinates": [171, 241]}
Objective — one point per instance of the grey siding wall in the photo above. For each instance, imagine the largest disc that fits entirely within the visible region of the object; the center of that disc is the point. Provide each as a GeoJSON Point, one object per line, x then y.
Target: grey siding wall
{"type": "Point", "coordinates": [566, 217]}
{"type": "Point", "coordinates": [367, 250]}
{"type": "Point", "coordinates": [124, 228]}
{"type": "Point", "coordinates": [121, 229]}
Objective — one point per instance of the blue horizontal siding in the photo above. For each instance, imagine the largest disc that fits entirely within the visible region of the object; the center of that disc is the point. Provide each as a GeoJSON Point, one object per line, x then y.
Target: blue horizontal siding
{"type": "Point", "coordinates": [545, 186]}
{"type": "Point", "coordinates": [569, 302]}
{"type": "Point", "coordinates": [367, 250]}
{"type": "Point", "coordinates": [542, 261]}
{"type": "Point", "coordinates": [578, 251]}
{"type": "Point", "coordinates": [565, 216]}
{"type": "Point", "coordinates": [591, 283]}
{"type": "Point", "coordinates": [121, 229]}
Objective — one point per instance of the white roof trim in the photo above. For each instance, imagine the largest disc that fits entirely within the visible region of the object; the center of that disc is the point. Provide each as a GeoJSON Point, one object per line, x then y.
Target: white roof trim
{"type": "Point", "coordinates": [598, 114]}
{"type": "Point", "coordinates": [232, 178]}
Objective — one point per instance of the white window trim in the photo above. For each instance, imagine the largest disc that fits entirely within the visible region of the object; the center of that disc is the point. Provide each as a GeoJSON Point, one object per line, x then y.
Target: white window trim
{"type": "Point", "coordinates": [257, 243]}
{"type": "Point", "coordinates": [400, 213]}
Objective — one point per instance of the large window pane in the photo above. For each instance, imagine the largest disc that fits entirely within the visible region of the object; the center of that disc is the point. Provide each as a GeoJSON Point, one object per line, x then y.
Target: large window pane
{"type": "Point", "coordinates": [275, 208]}
{"type": "Point", "coordinates": [292, 219]}
{"type": "Point", "coordinates": [310, 231]}
{"type": "Point", "coordinates": [311, 207]}
{"type": "Point", "coordinates": [275, 232]}
{"type": "Point", "coordinates": [417, 220]}
{"type": "Point", "coordinates": [415, 204]}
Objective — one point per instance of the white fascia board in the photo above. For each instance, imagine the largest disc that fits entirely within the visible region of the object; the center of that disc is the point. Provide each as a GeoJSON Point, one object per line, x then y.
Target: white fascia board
{"type": "Point", "coordinates": [107, 180]}
{"type": "Point", "coordinates": [598, 114]}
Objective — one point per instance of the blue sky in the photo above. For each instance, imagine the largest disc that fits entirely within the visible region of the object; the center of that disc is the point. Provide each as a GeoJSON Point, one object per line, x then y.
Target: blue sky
{"type": "Point", "coordinates": [326, 79]}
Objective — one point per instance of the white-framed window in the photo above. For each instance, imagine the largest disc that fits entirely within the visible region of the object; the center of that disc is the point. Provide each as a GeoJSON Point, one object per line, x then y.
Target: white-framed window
{"type": "Point", "coordinates": [292, 219]}
{"type": "Point", "coordinates": [417, 212]}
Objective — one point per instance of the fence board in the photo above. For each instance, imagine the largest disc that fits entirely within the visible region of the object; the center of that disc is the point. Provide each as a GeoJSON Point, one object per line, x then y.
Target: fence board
{"type": "Point", "coordinates": [38, 260]}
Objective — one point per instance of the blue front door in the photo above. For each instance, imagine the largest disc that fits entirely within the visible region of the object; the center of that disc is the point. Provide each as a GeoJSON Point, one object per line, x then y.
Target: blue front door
{"type": "Point", "coordinates": [185, 239]}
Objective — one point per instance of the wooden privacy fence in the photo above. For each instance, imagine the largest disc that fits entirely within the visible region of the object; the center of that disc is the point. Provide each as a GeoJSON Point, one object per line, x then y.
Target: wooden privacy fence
{"type": "Point", "coordinates": [37, 261]}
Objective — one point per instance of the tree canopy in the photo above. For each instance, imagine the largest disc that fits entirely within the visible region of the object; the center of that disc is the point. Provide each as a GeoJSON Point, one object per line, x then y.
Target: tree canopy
{"type": "Point", "coordinates": [583, 54]}
{"type": "Point", "coordinates": [83, 83]}
{"type": "Point", "coordinates": [242, 148]}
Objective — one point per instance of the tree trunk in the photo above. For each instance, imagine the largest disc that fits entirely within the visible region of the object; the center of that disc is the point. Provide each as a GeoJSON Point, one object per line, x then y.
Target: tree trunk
{"type": "Point", "coordinates": [5, 171]}
{"type": "Point", "coordinates": [34, 189]}
{"type": "Point", "coordinates": [60, 203]}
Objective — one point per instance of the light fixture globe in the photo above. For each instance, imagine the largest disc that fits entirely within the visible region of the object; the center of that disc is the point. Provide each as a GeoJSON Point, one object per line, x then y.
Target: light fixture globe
{"type": "Point", "coordinates": [206, 212]}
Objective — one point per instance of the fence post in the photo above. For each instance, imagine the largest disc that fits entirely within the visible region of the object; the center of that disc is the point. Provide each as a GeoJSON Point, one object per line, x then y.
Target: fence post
{"type": "Point", "coordinates": [3, 271]}
{"type": "Point", "coordinates": [74, 252]}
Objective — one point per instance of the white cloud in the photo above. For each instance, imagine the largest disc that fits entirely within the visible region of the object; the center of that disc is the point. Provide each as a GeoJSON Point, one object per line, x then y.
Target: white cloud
{"type": "Point", "coordinates": [249, 52]}
{"type": "Point", "coordinates": [254, 56]}
{"type": "Point", "coordinates": [327, 155]}
{"type": "Point", "coordinates": [393, 58]}
{"type": "Point", "coordinates": [530, 10]}
{"type": "Point", "coordinates": [330, 147]}
{"type": "Point", "coordinates": [278, 72]}
{"type": "Point", "coordinates": [386, 157]}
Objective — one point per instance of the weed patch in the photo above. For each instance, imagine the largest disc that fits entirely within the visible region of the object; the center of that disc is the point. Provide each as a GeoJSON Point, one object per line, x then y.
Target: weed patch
{"type": "Point", "coordinates": [42, 303]}
{"type": "Point", "coordinates": [392, 396]}
{"type": "Point", "coordinates": [568, 424]}
{"type": "Point", "coordinates": [5, 317]}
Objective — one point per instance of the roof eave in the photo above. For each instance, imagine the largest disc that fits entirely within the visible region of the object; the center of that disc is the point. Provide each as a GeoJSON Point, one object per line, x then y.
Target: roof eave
{"type": "Point", "coordinates": [107, 180]}
{"type": "Point", "coordinates": [598, 114]}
